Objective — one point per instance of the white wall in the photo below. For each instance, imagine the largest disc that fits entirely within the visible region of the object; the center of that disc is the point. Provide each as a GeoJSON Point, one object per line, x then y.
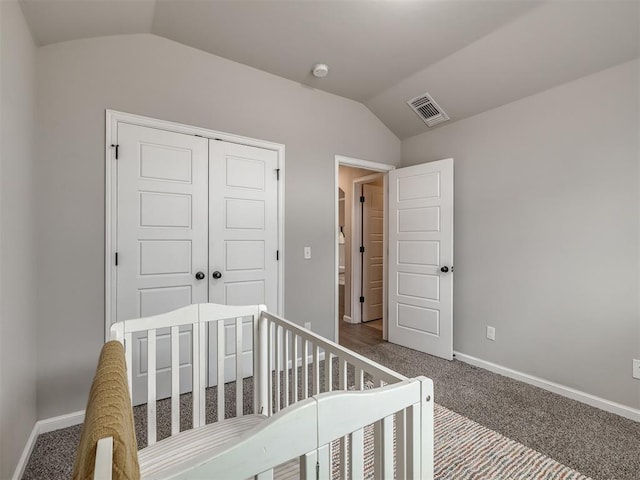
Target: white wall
{"type": "Point", "coordinates": [152, 76]}
{"type": "Point", "coordinates": [547, 232]}
{"type": "Point", "coordinates": [17, 263]}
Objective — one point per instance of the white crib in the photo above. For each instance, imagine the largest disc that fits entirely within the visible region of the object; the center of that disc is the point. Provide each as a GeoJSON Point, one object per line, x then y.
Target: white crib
{"type": "Point", "coordinates": [319, 409]}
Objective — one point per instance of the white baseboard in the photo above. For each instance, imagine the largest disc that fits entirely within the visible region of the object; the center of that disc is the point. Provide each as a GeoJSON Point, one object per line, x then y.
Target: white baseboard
{"type": "Point", "coordinates": [44, 426]}
{"type": "Point", "coordinates": [594, 401]}
{"type": "Point", "coordinates": [348, 319]}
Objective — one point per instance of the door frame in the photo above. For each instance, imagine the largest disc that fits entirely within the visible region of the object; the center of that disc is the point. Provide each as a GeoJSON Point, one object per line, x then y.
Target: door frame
{"type": "Point", "coordinates": [356, 241]}
{"type": "Point", "coordinates": [112, 118]}
{"type": "Point", "coordinates": [341, 160]}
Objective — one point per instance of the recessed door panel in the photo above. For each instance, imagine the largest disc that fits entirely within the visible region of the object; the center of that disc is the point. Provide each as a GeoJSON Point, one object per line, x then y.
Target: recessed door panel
{"type": "Point", "coordinates": [419, 220]}
{"type": "Point", "coordinates": [244, 255]}
{"type": "Point", "coordinates": [419, 319]}
{"type": "Point", "coordinates": [419, 187]}
{"type": "Point", "coordinates": [165, 210]}
{"type": "Point", "coordinates": [162, 162]}
{"type": "Point", "coordinates": [154, 301]}
{"type": "Point", "coordinates": [162, 257]}
{"type": "Point", "coordinates": [245, 173]}
{"type": "Point", "coordinates": [419, 252]}
{"type": "Point", "coordinates": [243, 293]}
{"type": "Point", "coordinates": [245, 214]}
{"type": "Point", "coordinates": [419, 285]}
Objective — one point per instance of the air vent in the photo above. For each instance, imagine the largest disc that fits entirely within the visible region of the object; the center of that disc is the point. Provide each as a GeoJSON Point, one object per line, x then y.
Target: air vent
{"type": "Point", "coordinates": [428, 110]}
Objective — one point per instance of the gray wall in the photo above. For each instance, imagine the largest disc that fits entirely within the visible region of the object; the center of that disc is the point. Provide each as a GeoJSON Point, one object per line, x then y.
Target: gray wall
{"type": "Point", "coordinates": [547, 232]}
{"type": "Point", "coordinates": [152, 76]}
{"type": "Point", "coordinates": [17, 217]}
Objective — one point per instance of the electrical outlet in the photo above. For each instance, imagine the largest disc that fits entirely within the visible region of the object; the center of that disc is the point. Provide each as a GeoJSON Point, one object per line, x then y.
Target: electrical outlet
{"type": "Point", "coordinates": [636, 368]}
{"type": "Point", "coordinates": [491, 333]}
{"type": "Point", "coordinates": [307, 325]}
{"type": "Point", "coordinates": [307, 253]}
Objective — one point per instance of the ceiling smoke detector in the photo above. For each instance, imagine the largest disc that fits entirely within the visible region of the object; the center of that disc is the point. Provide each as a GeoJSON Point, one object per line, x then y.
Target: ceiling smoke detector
{"type": "Point", "coordinates": [428, 110]}
{"type": "Point", "coordinates": [320, 70]}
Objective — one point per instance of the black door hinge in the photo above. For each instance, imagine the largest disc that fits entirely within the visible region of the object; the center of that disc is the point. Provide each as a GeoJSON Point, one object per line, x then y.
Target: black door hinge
{"type": "Point", "coordinates": [361, 249]}
{"type": "Point", "coordinates": [116, 259]}
{"type": "Point", "coordinates": [117, 147]}
{"type": "Point", "coordinates": [362, 199]}
{"type": "Point", "coordinates": [277, 254]}
{"type": "Point", "coordinates": [277, 174]}
{"type": "Point", "coordinates": [361, 299]}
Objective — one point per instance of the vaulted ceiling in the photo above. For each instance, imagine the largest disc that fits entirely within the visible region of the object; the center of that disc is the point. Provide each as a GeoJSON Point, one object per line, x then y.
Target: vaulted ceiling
{"type": "Point", "coordinates": [470, 55]}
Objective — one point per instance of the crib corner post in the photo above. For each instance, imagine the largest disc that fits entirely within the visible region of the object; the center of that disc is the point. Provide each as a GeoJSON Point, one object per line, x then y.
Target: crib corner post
{"type": "Point", "coordinates": [426, 427]}
{"type": "Point", "coordinates": [261, 366]}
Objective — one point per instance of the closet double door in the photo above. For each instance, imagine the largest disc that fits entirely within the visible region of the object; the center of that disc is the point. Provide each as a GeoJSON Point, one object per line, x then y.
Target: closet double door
{"type": "Point", "coordinates": [197, 222]}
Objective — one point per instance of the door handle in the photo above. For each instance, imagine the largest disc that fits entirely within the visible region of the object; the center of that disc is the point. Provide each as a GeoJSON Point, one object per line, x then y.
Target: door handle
{"type": "Point", "coordinates": [200, 275]}
{"type": "Point", "coordinates": [217, 274]}
{"type": "Point", "coordinates": [444, 269]}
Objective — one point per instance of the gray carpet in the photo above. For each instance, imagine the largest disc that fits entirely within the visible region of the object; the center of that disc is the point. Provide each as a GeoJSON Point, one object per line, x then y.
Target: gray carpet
{"type": "Point", "coordinates": [600, 445]}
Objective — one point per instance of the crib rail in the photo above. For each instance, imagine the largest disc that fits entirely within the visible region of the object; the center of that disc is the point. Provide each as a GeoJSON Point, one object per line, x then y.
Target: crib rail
{"type": "Point", "coordinates": [324, 418]}
{"type": "Point", "coordinates": [305, 364]}
{"type": "Point", "coordinates": [296, 364]}
{"type": "Point", "coordinates": [207, 325]}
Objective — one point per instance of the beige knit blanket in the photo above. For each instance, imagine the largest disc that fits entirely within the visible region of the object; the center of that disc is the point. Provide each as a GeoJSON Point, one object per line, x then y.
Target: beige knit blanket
{"type": "Point", "coordinates": [109, 414]}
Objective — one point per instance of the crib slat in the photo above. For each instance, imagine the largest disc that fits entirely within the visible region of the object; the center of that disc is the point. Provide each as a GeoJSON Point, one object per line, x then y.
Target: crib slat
{"type": "Point", "coordinates": [383, 448]}
{"type": "Point", "coordinates": [328, 371]}
{"type": "Point", "coordinates": [278, 347]}
{"type": "Point", "coordinates": [316, 370]}
{"type": "Point", "coordinates": [316, 465]}
{"type": "Point", "coordinates": [295, 393]}
{"type": "Point", "coordinates": [400, 445]}
{"type": "Point", "coordinates": [220, 364]}
{"type": "Point", "coordinates": [324, 463]}
{"type": "Point", "coordinates": [175, 380]}
{"type": "Point", "coordinates": [239, 372]}
{"type": "Point", "coordinates": [305, 368]}
{"type": "Point", "coordinates": [268, 475]}
{"type": "Point", "coordinates": [270, 350]}
{"type": "Point", "coordinates": [343, 441]}
{"type": "Point", "coordinates": [359, 379]}
{"type": "Point", "coordinates": [202, 373]}
{"type": "Point", "coordinates": [151, 387]}
{"type": "Point", "coordinates": [128, 355]}
{"type": "Point", "coordinates": [356, 454]}
{"type": "Point", "coordinates": [413, 441]}
{"type": "Point", "coordinates": [195, 373]}
{"type": "Point", "coordinates": [285, 354]}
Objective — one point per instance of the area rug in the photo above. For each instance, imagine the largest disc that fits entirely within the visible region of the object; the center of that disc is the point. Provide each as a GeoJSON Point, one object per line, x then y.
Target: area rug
{"type": "Point", "coordinates": [466, 450]}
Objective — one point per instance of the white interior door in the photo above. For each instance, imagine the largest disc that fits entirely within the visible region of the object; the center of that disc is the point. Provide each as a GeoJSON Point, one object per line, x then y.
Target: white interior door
{"type": "Point", "coordinates": [421, 256]}
{"type": "Point", "coordinates": [372, 257]}
{"type": "Point", "coordinates": [161, 237]}
{"type": "Point", "coordinates": [243, 236]}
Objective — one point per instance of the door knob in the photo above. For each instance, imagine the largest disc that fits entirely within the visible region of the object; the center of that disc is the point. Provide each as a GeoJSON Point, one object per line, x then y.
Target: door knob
{"type": "Point", "coordinates": [217, 274]}
{"type": "Point", "coordinates": [444, 269]}
{"type": "Point", "coordinates": [200, 275]}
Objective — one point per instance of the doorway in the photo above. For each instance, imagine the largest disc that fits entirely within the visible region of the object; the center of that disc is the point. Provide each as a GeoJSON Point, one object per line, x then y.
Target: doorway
{"type": "Point", "coordinates": [354, 279]}
{"type": "Point", "coordinates": [418, 267]}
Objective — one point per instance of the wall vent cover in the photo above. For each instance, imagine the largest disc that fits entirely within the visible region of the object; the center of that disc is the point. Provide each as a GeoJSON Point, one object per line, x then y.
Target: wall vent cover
{"type": "Point", "coordinates": [428, 110]}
